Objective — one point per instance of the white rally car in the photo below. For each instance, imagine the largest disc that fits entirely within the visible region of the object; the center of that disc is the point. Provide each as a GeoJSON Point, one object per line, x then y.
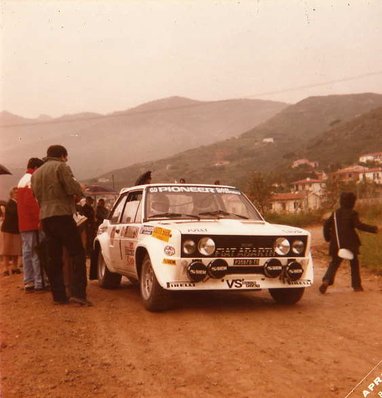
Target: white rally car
{"type": "Point", "coordinates": [169, 237]}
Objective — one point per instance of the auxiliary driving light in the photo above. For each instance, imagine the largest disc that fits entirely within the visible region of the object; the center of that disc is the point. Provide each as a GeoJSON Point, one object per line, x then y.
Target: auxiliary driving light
{"type": "Point", "coordinates": [294, 270]}
{"type": "Point", "coordinates": [197, 271]}
{"type": "Point", "coordinates": [273, 268]}
{"type": "Point", "coordinates": [217, 268]}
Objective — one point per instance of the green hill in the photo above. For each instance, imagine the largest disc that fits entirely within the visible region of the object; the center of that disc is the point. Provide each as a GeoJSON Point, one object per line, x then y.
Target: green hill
{"type": "Point", "coordinates": [345, 143]}
{"type": "Point", "coordinates": [296, 131]}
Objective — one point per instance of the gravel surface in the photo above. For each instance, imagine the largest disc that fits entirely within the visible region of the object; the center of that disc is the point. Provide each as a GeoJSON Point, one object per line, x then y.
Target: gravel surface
{"type": "Point", "coordinates": [210, 345]}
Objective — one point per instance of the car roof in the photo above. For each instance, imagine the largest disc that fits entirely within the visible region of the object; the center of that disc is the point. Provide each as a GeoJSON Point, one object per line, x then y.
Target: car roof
{"type": "Point", "coordinates": [174, 185]}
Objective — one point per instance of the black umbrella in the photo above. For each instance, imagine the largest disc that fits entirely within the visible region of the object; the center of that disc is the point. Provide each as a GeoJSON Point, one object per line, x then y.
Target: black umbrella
{"type": "Point", "coordinates": [4, 170]}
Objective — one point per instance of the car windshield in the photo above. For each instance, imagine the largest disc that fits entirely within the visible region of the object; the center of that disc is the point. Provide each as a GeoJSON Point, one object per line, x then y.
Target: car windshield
{"type": "Point", "coordinates": [198, 202]}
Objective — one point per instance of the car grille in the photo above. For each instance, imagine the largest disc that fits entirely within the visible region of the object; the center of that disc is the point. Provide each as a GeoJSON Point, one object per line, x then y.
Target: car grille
{"type": "Point", "coordinates": [243, 246]}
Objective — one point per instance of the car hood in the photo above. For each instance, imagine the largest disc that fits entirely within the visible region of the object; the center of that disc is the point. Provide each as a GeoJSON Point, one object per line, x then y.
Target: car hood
{"type": "Point", "coordinates": [230, 227]}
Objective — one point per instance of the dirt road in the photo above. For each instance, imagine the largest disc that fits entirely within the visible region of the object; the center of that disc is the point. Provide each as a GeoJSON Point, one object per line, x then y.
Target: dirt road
{"type": "Point", "coordinates": [210, 345]}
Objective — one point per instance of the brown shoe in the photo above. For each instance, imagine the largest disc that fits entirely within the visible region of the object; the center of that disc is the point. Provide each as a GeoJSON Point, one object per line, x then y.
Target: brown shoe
{"type": "Point", "coordinates": [16, 271]}
{"type": "Point", "coordinates": [81, 301]}
{"type": "Point", "coordinates": [323, 287]}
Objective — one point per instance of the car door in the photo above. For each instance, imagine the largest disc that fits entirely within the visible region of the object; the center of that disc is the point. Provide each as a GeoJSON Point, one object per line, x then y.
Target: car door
{"type": "Point", "coordinates": [130, 221]}
{"type": "Point", "coordinates": [114, 230]}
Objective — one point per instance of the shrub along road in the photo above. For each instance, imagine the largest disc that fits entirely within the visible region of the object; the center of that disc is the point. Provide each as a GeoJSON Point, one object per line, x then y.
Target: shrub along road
{"type": "Point", "coordinates": [212, 345]}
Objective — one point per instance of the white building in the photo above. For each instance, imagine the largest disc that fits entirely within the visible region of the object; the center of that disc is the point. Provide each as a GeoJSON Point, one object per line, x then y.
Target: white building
{"type": "Point", "coordinates": [295, 202]}
{"type": "Point", "coordinates": [309, 184]}
{"type": "Point", "coordinates": [371, 157]}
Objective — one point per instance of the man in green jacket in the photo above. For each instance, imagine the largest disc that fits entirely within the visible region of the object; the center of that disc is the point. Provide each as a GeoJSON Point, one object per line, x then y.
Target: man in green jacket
{"type": "Point", "coordinates": [56, 191]}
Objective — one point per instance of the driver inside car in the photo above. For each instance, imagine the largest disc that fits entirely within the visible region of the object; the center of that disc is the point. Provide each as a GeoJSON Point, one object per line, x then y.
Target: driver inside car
{"type": "Point", "coordinates": [160, 204]}
{"type": "Point", "coordinates": [204, 203]}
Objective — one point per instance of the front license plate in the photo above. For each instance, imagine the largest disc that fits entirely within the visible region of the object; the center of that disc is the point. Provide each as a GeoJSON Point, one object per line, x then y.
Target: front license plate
{"type": "Point", "coordinates": [246, 261]}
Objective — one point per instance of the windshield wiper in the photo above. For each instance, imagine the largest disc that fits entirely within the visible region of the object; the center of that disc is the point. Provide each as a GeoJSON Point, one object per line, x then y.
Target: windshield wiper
{"type": "Point", "coordinates": [221, 213]}
{"type": "Point", "coordinates": [174, 215]}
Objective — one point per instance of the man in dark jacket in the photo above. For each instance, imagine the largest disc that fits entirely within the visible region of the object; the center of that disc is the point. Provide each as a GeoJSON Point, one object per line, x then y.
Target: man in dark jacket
{"type": "Point", "coordinates": [89, 213]}
{"type": "Point", "coordinates": [56, 191]}
{"type": "Point", "coordinates": [347, 221]}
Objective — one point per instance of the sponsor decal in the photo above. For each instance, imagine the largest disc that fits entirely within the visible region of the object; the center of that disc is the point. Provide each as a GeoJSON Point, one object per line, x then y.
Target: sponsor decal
{"type": "Point", "coordinates": [291, 231]}
{"type": "Point", "coordinates": [169, 261]}
{"type": "Point", "coordinates": [180, 284]}
{"type": "Point", "coordinates": [146, 230]}
{"type": "Point", "coordinates": [130, 232]}
{"type": "Point", "coordinates": [246, 261]}
{"type": "Point", "coordinates": [162, 233]}
{"type": "Point", "coordinates": [198, 230]}
{"type": "Point", "coordinates": [242, 284]}
{"type": "Point", "coordinates": [194, 189]}
{"type": "Point", "coordinates": [130, 261]}
{"type": "Point", "coordinates": [301, 283]}
{"type": "Point", "coordinates": [129, 249]}
{"type": "Point", "coordinates": [169, 250]}
{"type": "Point", "coordinates": [244, 252]}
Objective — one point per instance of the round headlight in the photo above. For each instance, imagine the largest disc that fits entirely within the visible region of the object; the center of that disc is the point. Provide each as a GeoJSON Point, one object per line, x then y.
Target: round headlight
{"type": "Point", "coordinates": [282, 246]}
{"type": "Point", "coordinates": [298, 247]}
{"type": "Point", "coordinates": [206, 246]}
{"type": "Point", "coordinates": [189, 246]}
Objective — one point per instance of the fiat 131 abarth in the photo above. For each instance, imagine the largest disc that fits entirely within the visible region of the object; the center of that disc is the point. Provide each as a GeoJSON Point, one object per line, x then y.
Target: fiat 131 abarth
{"type": "Point", "coordinates": [185, 237]}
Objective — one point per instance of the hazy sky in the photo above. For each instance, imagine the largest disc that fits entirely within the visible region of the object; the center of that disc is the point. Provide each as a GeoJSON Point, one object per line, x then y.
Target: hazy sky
{"type": "Point", "coordinates": [60, 57]}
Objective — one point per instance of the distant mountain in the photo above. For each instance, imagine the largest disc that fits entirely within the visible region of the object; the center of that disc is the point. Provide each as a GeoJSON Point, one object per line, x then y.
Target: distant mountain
{"type": "Point", "coordinates": [7, 118]}
{"type": "Point", "coordinates": [295, 132]}
{"type": "Point", "coordinates": [99, 143]}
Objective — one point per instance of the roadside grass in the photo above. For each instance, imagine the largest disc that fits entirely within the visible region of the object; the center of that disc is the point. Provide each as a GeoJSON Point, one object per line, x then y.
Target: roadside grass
{"type": "Point", "coordinates": [371, 254]}
{"type": "Point", "coordinates": [296, 220]}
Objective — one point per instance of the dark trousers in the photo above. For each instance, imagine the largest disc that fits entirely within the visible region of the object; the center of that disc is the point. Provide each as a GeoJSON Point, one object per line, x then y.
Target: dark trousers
{"type": "Point", "coordinates": [333, 267]}
{"type": "Point", "coordinates": [62, 231]}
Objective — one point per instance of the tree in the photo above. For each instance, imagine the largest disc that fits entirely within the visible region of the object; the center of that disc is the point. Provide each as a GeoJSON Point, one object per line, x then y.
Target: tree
{"type": "Point", "coordinates": [260, 191]}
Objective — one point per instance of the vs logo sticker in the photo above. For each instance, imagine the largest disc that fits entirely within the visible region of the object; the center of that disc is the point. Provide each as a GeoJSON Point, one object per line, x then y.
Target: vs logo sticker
{"type": "Point", "coordinates": [242, 284]}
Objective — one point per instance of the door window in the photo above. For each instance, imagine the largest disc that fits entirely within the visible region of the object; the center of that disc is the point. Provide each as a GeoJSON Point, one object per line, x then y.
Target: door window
{"type": "Point", "coordinates": [117, 211]}
{"type": "Point", "coordinates": [131, 212]}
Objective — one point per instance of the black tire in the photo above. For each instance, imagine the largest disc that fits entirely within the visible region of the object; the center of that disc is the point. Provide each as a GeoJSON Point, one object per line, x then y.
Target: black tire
{"type": "Point", "coordinates": [154, 297]}
{"type": "Point", "coordinates": [287, 296]}
{"type": "Point", "coordinates": [107, 279]}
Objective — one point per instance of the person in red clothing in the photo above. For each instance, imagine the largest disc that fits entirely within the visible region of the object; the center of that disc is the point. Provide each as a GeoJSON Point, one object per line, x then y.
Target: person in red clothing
{"type": "Point", "coordinates": [29, 222]}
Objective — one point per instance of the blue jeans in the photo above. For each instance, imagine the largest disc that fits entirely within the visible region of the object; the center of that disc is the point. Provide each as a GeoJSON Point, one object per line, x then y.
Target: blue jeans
{"type": "Point", "coordinates": [32, 270]}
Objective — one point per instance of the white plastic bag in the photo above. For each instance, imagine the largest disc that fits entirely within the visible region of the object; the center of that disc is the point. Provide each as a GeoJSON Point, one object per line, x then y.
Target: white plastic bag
{"type": "Point", "coordinates": [346, 254]}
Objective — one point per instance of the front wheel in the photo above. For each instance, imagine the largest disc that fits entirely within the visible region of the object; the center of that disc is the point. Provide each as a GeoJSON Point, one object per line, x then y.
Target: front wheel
{"type": "Point", "coordinates": [107, 279]}
{"type": "Point", "coordinates": [154, 297]}
{"type": "Point", "coordinates": [287, 296]}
